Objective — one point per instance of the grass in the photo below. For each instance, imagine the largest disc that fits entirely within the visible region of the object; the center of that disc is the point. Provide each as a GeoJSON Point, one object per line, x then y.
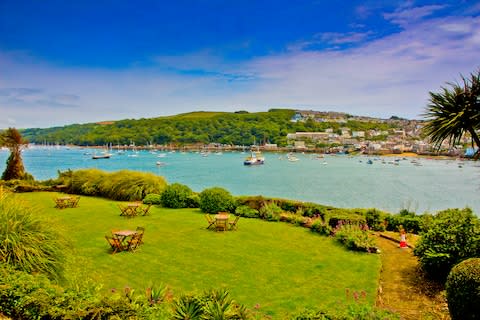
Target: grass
{"type": "Point", "coordinates": [404, 287]}
{"type": "Point", "coordinates": [280, 267]}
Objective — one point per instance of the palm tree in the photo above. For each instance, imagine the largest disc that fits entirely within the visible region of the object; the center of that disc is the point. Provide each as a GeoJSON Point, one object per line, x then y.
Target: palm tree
{"type": "Point", "coordinates": [13, 140]}
{"type": "Point", "coordinates": [455, 111]}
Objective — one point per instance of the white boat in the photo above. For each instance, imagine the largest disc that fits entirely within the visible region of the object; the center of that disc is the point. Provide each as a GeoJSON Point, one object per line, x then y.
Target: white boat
{"type": "Point", "coordinates": [160, 163]}
{"type": "Point", "coordinates": [102, 156]}
{"type": "Point", "coordinates": [255, 158]}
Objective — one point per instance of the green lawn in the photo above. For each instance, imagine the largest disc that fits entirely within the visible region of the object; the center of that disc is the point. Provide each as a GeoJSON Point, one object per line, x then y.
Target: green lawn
{"type": "Point", "coordinates": [281, 267]}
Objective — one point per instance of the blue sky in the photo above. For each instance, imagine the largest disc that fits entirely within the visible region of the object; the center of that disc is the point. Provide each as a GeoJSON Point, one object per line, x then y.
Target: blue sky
{"type": "Point", "coordinates": [64, 62]}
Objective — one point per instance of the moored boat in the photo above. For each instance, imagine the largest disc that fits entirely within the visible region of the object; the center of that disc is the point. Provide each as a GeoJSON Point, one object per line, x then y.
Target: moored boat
{"type": "Point", "coordinates": [102, 156]}
{"type": "Point", "coordinates": [255, 158]}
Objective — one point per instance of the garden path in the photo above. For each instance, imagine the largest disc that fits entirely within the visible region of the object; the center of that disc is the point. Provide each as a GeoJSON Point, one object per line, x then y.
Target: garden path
{"type": "Point", "coordinates": [403, 288]}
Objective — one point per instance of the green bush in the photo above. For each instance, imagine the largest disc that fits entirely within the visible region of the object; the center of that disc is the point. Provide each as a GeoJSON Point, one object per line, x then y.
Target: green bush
{"type": "Point", "coordinates": [193, 201]}
{"type": "Point", "coordinates": [336, 216]}
{"type": "Point", "coordinates": [247, 212]}
{"type": "Point", "coordinates": [215, 200]}
{"type": "Point", "coordinates": [152, 198]}
{"type": "Point", "coordinates": [176, 196]}
{"type": "Point", "coordinates": [463, 290]}
{"type": "Point", "coordinates": [29, 242]}
{"type": "Point", "coordinates": [270, 211]}
{"type": "Point", "coordinates": [355, 238]}
{"type": "Point", "coordinates": [453, 236]}
{"type": "Point", "coordinates": [25, 296]}
{"type": "Point", "coordinates": [124, 185]}
{"type": "Point", "coordinates": [321, 227]}
{"type": "Point", "coordinates": [375, 219]}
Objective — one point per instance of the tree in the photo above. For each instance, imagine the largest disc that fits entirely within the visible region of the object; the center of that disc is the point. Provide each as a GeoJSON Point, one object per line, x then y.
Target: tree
{"type": "Point", "coordinates": [455, 111]}
{"type": "Point", "coordinates": [13, 140]}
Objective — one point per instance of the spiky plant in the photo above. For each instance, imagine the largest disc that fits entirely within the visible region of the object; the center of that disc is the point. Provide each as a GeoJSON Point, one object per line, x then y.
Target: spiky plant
{"type": "Point", "coordinates": [187, 308]}
{"type": "Point", "coordinates": [27, 241]}
{"type": "Point", "coordinates": [455, 111]}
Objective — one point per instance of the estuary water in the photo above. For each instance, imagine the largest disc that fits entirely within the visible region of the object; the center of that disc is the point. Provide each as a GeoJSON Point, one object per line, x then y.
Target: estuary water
{"type": "Point", "coordinates": [388, 183]}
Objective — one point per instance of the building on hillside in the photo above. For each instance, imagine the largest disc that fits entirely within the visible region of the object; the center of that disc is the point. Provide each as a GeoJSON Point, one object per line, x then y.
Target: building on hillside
{"type": "Point", "coordinates": [358, 134]}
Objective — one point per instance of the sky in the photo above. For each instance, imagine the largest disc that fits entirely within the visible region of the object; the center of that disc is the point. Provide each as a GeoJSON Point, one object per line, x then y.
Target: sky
{"type": "Point", "coordinates": [65, 62]}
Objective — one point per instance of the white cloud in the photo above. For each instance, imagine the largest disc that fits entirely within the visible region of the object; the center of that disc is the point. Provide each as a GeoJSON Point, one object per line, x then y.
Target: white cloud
{"type": "Point", "coordinates": [379, 77]}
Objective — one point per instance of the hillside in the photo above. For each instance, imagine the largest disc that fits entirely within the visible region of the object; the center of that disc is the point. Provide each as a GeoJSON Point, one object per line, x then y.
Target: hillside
{"type": "Point", "coordinates": [238, 128]}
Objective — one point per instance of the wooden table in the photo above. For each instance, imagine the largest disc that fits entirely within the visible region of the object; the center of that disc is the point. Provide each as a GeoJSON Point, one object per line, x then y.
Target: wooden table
{"type": "Point", "coordinates": [221, 221]}
{"type": "Point", "coordinates": [123, 235]}
{"type": "Point", "coordinates": [65, 202]}
{"type": "Point", "coordinates": [130, 209]}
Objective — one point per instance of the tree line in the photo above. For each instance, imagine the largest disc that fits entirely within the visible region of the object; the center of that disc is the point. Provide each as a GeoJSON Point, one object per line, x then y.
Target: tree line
{"type": "Point", "coordinates": [238, 128]}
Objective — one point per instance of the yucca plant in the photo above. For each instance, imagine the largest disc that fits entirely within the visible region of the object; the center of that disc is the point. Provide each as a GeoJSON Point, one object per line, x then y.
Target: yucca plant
{"type": "Point", "coordinates": [27, 241]}
{"type": "Point", "coordinates": [187, 308]}
{"type": "Point", "coordinates": [218, 305]}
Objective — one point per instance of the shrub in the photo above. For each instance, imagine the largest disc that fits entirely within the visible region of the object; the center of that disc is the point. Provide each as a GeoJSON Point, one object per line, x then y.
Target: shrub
{"type": "Point", "coordinates": [216, 199]}
{"type": "Point", "coordinates": [29, 242]}
{"type": "Point", "coordinates": [152, 198]}
{"type": "Point", "coordinates": [453, 236]}
{"type": "Point", "coordinates": [176, 196]}
{"type": "Point", "coordinates": [375, 219]}
{"type": "Point", "coordinates": [193, 201]}
{"type": "Point", "coordinates": [124, 185]}
{"type": "Point", "coordinates": [270, 211]}
{"type": "Point", "coordinates": [335, 216]}
{"type": "Point", "coordinates": [355, 238]}
{"type": "Point", "coordinates": [247, 212]}
{"type": "Point", "coordinates": [463, 290]}
{"type": "Point", "coordinates": [25, 296]}
{"type": "Point", "coordinates": [321, 227]}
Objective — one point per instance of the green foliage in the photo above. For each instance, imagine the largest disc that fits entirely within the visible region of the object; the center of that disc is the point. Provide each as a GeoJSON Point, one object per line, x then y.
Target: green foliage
{"type": "Point", "coordinates": [26, 296]}
{"type": "Point", "coordinates": [270, 211]}
{"type": "Point", "coordinates": [215, 200]}
{"type": "Point", "coordinates": [355, 237]}
{"type": "Point", "coordinates": [123, 185]}
{"type": "Point", "coordinates": [375, 219]}
{"type": "Point", "coordinates": [193, 201]}
{"type": "Point", "coordinates": [29, 242]}
{"type": "Point", "coordinates": [407, 220]}
{"type": "Point", "coordinates": [454, 111]}
{"type": "Point", "coordinates": [463, 290]}
{"type": "Point", "coordinates": [152, 198]}
{"type": "Point", "coordinates": [453, 236]}
{"type": "Point", "coordinates": [321, 227]}
{"type": "Point", "coordinates": [13, 140]}
{"type": "Point", "coordinates": [176, 196]}
{"type": "Point", "coordinates": [213, 304]}
{"type": "Point", "coordinates": [337, 215]}
{"type": "Point", "coordinates": [193, 128]}
{"type": "Point", "coordinates": [247, 212]}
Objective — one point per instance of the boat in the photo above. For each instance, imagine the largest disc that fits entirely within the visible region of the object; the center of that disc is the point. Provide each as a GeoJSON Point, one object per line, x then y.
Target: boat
{"type": "Point", "coordinates": [102, 156]}
{"type": "Point", "coordinates": [369, 161]}
{"type": "Point", "coordinates": [159, 163]}
{"type": "Point", "coordinates": [255, 158]}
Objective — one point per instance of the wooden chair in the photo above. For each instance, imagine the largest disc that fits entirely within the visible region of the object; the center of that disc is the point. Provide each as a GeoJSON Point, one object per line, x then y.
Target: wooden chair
{"type": "Point", "coordinates": [144, 210]}
{"type": "Point", "coordinates": [115, 244]}
{"type": "Point", "coordinates": [210, 220]}
{"type": "Point", "coordinates": [135, 241]}
{"type": "Point", "coordinates": [123, 210]}
{"type": "Point", "coordinates": [74, 202]}
{"type": "Point", "coordinates": [140, 230]}
{"type": "Point", "coordinates": [233, 224]}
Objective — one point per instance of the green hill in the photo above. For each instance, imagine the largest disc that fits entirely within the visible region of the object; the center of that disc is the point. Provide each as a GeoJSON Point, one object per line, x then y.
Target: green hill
{"type": "Point", "coordinates": [233, 128]}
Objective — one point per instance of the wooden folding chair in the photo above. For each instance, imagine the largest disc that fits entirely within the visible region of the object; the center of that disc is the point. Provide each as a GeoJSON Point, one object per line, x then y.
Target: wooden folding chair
{"type": "Point", "coordinates": [141, 231]}
{"type": "Point", "coordinates": [144, 210]}
{"type": "Point", "coordinates": [135, 241]}
{"type": "Point", "coordinates": [233, 224]}
{"type": "Point", "coordinates": [123, 210]}
{"type": "Point", "coordinates": [74, 202]}
{"type": "Point", "coordinates": [210, 220]}
{"type": "Point", "coordinates": [115, 244]}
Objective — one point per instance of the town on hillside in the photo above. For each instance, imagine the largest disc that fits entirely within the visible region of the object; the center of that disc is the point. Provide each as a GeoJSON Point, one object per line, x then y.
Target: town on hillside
{"type": "Point", "coordinates": [405, 137]}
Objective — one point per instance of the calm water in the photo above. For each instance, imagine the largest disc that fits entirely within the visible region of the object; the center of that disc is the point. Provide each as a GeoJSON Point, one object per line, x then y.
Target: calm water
{"type": "Point", "coordinates": [334, 180]}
